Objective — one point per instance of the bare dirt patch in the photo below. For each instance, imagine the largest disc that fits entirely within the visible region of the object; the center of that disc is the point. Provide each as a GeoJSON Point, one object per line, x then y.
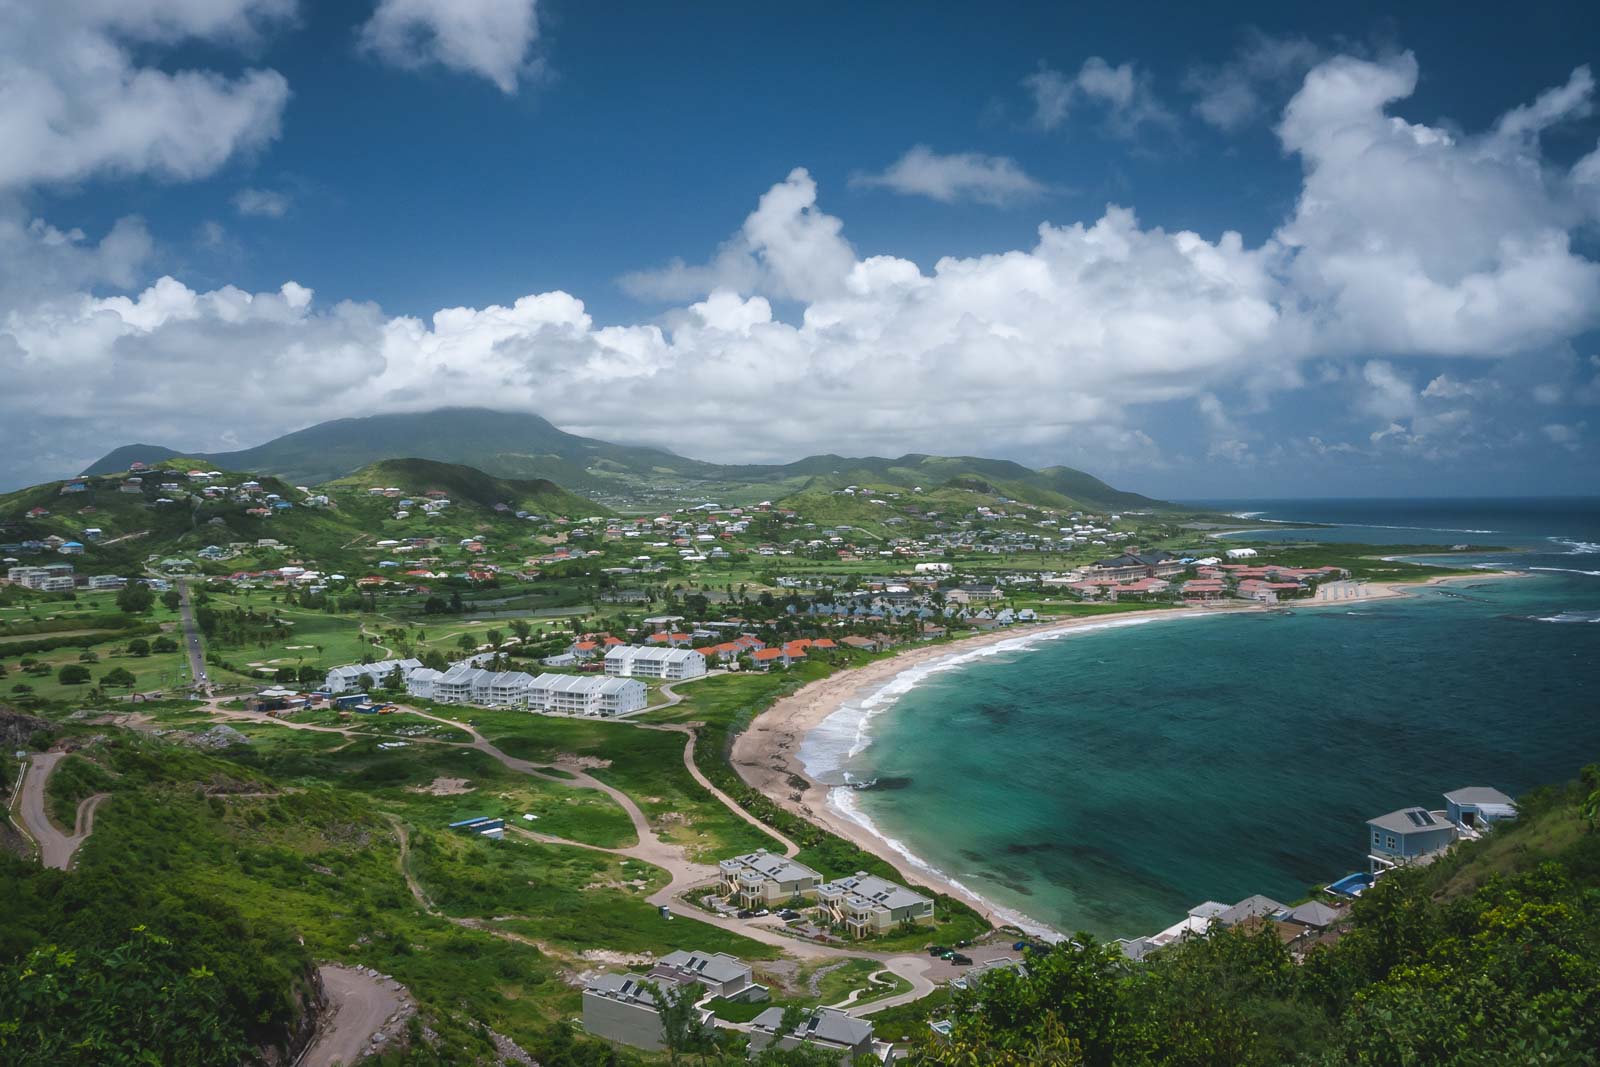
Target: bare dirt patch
{"type": "Point", "coordinates": [443, 787]}
{"type": "Point", "coordinates": [616, 959]}
{"type": "Point", "coordinates": [587, 763]}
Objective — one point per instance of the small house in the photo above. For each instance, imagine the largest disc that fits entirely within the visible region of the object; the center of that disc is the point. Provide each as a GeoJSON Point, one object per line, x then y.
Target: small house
{"type": "Point", "coordinates": [1406, 836]}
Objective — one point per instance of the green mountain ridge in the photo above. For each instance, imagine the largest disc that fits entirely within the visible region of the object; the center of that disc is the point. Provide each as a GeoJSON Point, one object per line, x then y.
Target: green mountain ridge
{"type": "Point", "coordinates": [526, 447]}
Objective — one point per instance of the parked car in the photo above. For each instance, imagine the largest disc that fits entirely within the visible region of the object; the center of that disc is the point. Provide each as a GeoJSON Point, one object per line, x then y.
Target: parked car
{"type": "Point", "coordinates": [959, 960]}
{"type": "Point", "coordinates": [937, 950]}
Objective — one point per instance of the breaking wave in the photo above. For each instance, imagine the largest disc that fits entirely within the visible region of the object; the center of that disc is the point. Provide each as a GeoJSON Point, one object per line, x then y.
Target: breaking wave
{"type": "Point", "coordinates": [1576, 548]}
{"type": "Point", "coordinates": [1569, 616]}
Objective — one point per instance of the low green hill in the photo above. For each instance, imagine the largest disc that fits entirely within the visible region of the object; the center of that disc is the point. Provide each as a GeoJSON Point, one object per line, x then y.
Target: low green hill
{"type": "Point", "coordinates": [168, 515]}
{"type": "Point", "coordinates": [467, 484]}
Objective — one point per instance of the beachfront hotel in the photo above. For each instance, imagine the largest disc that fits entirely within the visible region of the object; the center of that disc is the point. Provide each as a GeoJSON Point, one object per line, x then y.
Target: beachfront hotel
{"type": "Point", "coordinates": [763, 879]}
{"type": "Point", "coordinates": [865, 904]}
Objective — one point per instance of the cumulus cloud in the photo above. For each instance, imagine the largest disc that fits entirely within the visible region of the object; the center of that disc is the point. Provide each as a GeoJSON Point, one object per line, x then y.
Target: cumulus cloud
{"type": "Point", "coordinates": [1564, 434]}
{"type": "Point", "coordinates": [1388, 393]}
{"type": "Point", "coordinates": [786, 248]}
{"type": "Point", "coordinates": [80, 97]}
{"type": "Point", "coordinates": [1121, 94]}
{"type": "Point", "coordinates": [1444, 387]}
{"type": "Point", "coordinates": [1233, 94]}
{"type": "Point", "coordinates": [1411, 238]}
{"type": "Point", "coordinates": [492, 39]}
{"type": "Point", "coordinates": [1408, 243]}
{"type": "Point", "coordinates": [996, 180]}
{"type": "Point", "coordinates": [264, 203]}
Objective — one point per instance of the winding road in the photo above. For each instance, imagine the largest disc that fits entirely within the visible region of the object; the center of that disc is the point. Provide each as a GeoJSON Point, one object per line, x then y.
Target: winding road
{"type": "Point", "coordinates": [56, 847]}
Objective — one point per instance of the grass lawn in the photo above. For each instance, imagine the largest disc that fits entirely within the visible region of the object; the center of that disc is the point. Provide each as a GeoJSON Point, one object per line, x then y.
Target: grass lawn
{"type": "Point", "coordinates": [420, 783]}
{"type": "Point", "coordinates": [573, 898]}
{"type": "Point", "coordinates": [645, 764]}
{"type": "Point", "coordinates": [818, 984]}
{"type": "Point", "coordinates": [164, 671]}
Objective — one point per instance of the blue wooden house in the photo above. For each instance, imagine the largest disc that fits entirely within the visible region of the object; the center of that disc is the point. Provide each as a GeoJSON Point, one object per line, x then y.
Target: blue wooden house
{"type": "Point", "coordinates": [1406, 836]}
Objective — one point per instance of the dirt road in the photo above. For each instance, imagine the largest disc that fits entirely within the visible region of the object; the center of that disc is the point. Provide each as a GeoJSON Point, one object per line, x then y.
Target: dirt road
{"type": "Point", "coordinates": [358, 1005]}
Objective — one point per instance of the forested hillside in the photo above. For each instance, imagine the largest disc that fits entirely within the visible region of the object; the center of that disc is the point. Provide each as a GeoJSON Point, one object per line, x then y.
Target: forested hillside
{"type": "Point", "coordinates": [1490, 956]}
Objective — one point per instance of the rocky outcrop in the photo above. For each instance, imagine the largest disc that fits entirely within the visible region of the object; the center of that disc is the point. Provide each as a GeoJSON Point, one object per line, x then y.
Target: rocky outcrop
{"type": "Point", "coordinates": [312, 1001]}
{"type": "Point", "coordinates": [217, 738]}
{"type": "Point", "coordinates": [16, 729]}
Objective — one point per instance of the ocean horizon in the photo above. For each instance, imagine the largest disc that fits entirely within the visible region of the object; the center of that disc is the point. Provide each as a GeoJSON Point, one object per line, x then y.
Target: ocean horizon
{"type": "Point", "coordinates": [1109, 777]}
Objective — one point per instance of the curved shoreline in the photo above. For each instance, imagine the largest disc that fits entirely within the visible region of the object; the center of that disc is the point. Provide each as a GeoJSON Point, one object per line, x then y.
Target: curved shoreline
{"type": "Point", "coordinates": [767, 754]}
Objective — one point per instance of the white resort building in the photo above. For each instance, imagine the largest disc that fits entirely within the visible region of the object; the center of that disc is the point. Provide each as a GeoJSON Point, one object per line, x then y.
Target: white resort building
{"type": "Point", "coordinates": [638, 661]}
{"type": "Point", "coordinates": [586, 694]}
{"type": "Point", "coordinates": [348, 678]}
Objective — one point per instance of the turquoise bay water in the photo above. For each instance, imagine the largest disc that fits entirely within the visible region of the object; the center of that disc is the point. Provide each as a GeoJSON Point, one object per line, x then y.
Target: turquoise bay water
{"type": "Point", "coordinates": [1109, 780]}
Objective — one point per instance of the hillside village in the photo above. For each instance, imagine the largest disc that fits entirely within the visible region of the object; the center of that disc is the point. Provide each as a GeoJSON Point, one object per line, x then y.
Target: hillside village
{"type": "Point", "coordinates": [536, 577]}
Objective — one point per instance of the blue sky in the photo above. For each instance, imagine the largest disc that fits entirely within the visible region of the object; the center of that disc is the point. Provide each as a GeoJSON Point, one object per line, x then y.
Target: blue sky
{"type": "Point", "coordinates": [250, 226]}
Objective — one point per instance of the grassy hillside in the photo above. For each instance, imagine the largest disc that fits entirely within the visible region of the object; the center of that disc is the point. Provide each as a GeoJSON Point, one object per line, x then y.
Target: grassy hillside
{"type": "Point", "coordinates": [466, 484]}
{"type": "Point", "coordinates": [1487, 957]}
{"type": "Point", "coordinates": [152, 523]}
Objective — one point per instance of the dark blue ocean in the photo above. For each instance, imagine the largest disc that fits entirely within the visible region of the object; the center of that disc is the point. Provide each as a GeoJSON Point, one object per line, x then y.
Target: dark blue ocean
{"type": "Point", "coordinates": [1109, 780]}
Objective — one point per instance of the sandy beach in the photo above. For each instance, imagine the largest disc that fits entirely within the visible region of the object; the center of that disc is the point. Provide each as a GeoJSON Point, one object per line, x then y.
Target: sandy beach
{"type": "Point", "coordinates": [767, 754]}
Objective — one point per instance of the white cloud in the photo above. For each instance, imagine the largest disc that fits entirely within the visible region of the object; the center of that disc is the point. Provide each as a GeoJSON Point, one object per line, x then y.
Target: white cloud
{"type": "Point", "coordinates": [490, 38]}
{"type": "Point", "coordinates": [263, 203]}
{"type": "Point", "coordinates": [1444, 387]}
{"type": "Point", "coordinates": [76, 102]}
{"type": "Point", "coordinates": [1387, 393]}
{"type": "Point", "coordinates": [996, 180]}
{"type": "Point", "coordinates": [1412, 239]}
{"type": "Point", "coordinates": [1121, 94]}
{"type": "Point", "coordinates": [786, 247]}
{"type": "Point", "coordinates": [1567, 435]}
{"type": "Point", "coordinates": [1230, 95]}
{"type": "Point", "coordinates": [1064, 339]}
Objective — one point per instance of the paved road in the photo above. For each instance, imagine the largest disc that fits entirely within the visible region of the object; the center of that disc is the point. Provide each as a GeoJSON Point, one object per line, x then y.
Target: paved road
{"type": "Point", "coordinates": [191, 636]}
{"type": "Point", "coordinates": [56, 848]}
{"type": "Point", "coordinates": [358, 1004]}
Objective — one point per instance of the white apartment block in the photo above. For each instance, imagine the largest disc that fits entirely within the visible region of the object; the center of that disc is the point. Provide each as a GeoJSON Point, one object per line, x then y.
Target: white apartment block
{"type": "Point", "coordinates": [586, 694]}
{"type": "Point", "coordinates": [40, 577]}
{"type": "Point", "coordinates": [347, 679]}
{"type": "Point", "coordinates": [639, 661]}
{"type": "Point", "coordinates": [455, 685]}
{"type": "Point", "coordinates": [419, 683]}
